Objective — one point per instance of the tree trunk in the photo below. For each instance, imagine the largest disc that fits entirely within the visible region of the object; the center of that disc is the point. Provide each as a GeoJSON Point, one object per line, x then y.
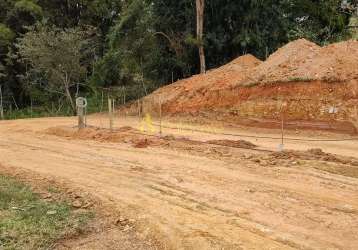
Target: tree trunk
{"type": "Point", "coordinates": [200, 5]}
{"type": "Point", "coordinates": [69, 98]}
{"type": "Point", "coordinates": [66, 85]}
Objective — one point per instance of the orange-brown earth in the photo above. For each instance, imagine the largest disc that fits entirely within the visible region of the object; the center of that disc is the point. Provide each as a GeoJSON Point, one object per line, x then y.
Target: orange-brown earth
{"type": "Point", "coordinates": [307, 85]}
{"type": "Point", "coordinates": [196, 191]}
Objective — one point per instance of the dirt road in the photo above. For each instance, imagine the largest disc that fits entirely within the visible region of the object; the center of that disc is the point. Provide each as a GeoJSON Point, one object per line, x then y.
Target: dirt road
{"type": "Point", "coordinates": [214, 198]}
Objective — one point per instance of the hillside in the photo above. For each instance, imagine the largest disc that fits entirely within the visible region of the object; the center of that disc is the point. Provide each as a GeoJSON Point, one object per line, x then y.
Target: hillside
{"type": "Point", "coordinates": [251, 92]}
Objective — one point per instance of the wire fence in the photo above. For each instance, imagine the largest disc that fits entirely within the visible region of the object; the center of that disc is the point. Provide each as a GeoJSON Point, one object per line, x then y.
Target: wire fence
{"type": "Point", "coordinates": [150, 113]}
{"type": "Point", "coordinates": [150, 118]}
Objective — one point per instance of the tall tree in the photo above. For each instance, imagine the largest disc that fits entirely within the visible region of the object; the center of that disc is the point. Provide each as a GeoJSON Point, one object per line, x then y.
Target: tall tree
{"type": "Point", "coordinates": [200, 6]}
{"type": "Point", "coordinates": [56, 56]}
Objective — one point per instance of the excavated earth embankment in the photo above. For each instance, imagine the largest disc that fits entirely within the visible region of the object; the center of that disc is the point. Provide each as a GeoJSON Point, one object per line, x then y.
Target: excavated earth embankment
{"type": "Point", "coordinates": [308, 86]}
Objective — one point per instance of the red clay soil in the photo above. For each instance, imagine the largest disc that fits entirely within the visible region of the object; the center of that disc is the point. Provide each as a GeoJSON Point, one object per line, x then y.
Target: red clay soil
{"type": "Point", "coordinates": [310, 80]}
{"type": "Point", "coordinates": [302, 60]}
{"type": "Point", "coordinates": [223, 77]}
{"type": "Point", "coordinates": [121, 135]}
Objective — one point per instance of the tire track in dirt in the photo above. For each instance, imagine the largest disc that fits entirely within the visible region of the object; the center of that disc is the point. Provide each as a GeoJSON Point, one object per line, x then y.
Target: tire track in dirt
{"type": "Point", "coordinates": [222, 241]}
{"type": "Point", "coordinates": [204, 182]}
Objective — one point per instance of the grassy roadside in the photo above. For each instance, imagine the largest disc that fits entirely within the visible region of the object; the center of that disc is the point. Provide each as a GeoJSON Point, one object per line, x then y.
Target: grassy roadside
{"type": "Point", "coordinates": [28, 222]}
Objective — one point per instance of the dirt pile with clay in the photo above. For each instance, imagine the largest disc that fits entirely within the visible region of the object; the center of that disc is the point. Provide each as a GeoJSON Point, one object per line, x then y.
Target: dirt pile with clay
{"type": "Point", "coordinates": [314, 87]}
{"type": "Point", "coordinates": [302, 60]}
{"type": "Point", "coordinates": [139, 139]}
{"type": "Point", "coordinates": [216, 149]}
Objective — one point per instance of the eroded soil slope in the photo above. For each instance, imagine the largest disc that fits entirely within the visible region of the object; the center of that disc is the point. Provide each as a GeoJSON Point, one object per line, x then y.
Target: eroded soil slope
{"type": "Point", "coordinates": [309, 86]}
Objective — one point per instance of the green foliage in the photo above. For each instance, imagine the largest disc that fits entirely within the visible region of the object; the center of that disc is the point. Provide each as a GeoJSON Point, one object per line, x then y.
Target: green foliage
{"type": "Point", "coordinates": [353, 24]}
{"type": "Point", "coordinates": [23, 13]}
{"type": "Point", "coordinates": [57, 56]}
{"type": "Point", "coordinates": [107, 71]}
{"type": "Point", "coordinates": [38, 112]}
{"type": "Point", "coordinates": [28, 6]}
{"type": "Point", "coordinates": [142, 44]}
{"type": "Point", "coordinates": [26, 221]}
{"type": "Point", "coordinates": [6, 35]}
{"type": "Point", "coordinates": [124, 63]}
{"type": "Point", "coordinates": [319, 21]}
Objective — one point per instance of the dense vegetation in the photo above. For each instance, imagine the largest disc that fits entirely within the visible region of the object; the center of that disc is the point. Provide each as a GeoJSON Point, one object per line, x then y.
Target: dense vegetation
{"type": "Point", "coordinates": [53, 50]}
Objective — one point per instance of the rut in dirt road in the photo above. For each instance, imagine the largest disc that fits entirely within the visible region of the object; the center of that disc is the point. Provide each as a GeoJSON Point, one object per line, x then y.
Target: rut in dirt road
{"type": "Point", "coordinates": [237, 199]}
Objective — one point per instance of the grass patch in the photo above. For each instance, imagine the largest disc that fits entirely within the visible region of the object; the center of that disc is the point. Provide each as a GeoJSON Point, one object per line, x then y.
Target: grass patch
{"type": "Point", "coordinates": [300, 79]}
{"type": "Point", "coordinates": [27, 222]}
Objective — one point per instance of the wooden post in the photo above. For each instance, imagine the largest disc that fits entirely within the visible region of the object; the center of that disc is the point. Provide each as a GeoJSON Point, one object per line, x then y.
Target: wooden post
{"type": "Point", "coordinates": [124, 95]}
{"type": "Point", "coordinates": [1, 105]}
{"type": "Point", "coordinates": [31, 107]}
{"type": "Point", "coordinates": [85, 120]}
{"type": "Point", "coordinates": [139, 111]}
{"type": "Point", "coordinates": [160, 116]}
{"type": "Point", "coordinates": [283, 109]}
{"type": "Point", "coordinates": [101, 102]}
{"type": "Point", "coordinates": [282, 129]}
{"type": "Point", "coordinates": [113, 112]}
{"type": "Point", "coordinates": [110, 113]}
{"type": "Point", "coordinates": [81, 104]}
{"type": "Point", "coordinates": [81, 118]}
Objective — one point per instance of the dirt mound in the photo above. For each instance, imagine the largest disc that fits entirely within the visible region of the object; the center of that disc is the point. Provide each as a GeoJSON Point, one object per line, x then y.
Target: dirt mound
{"type": "Point", "coordinates": [223, 77]}
{"type": "Point", "coordinates": [298, 61]}
{"type": "Point", "coordinates": [121, 135]}
{"type": "Point", "coordinates": [142, 143]}
{"type": "Point", "coordinates": [141, 140]}
{"type": "Point", "coordinates": [302, 60]}
{"type": "Point", "coordinates": [314, 154]}
{"type": "Point", "coordinates": [319, 86]}
{"type": "Point", "coordinates": [90, 133]}
{"type": "Point", "coordinates": [196, 91]}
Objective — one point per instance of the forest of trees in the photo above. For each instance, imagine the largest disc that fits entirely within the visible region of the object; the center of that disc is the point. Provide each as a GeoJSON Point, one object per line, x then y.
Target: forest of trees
{"type": "Point", "coordinates": [54, 50]}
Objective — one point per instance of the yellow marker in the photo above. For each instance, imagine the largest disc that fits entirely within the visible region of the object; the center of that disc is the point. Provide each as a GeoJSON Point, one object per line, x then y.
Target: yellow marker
{"type": "Point", "coordinates": [147, 122]}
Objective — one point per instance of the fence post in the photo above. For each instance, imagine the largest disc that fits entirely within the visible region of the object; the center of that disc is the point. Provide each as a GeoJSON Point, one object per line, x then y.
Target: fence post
{"type": "Point", "coordinates": [101, 102]}
{"type": "Point", "coordinates": [113, 111]}
{"type": "Point", "coordinates": [160, 115]}
{"type": "Point", "coordinates": [110, 113]}
{"type": "Point", "coordinates": [282, 130]}
{"type": "Point", "coordinates": [31, 107]}
{"type": "Point", "coordinates": [124, 95]}
{"type": "Point", "coordinates": [283, 109]}
{"type": "Point", "coordinates": [81, 119]}
{"type": "Point", "coordinates": [1, 105]}
{"type": "Point", "coordinates": [139, 111]}
{"type": "Point", "coordinates": [81, 104]}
